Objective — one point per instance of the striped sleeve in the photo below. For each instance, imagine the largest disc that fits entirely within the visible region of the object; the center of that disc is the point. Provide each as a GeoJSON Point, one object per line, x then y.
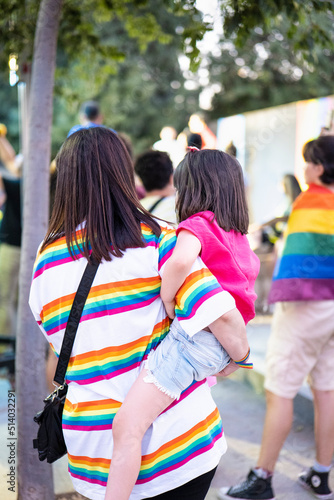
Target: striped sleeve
{"type": "Point", "coordinates": [200, 300]}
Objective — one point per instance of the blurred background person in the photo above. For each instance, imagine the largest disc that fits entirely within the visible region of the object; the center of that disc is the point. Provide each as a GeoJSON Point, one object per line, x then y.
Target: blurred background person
{"type": "Point", "coordinates": [10, 161]}
{"type": "Point", "coordinates": [267, 239]}
{"type": "Point", "coordinates": [197, 125]}
{"type": "Point", "coordinates": [195, 140]}
{"type": "Point", "coordinates": [10, 233]}
{"type": "Point", "coordinates": [274, 227]}
{"type": "Point", "coordinates": [301, 343]}
{"type": "Point", "coordinates": [231, 149]}
{"type": "Point", "coordinates": [10, 241]}
{"type": "Point", "coordinates": [291, 190]}
{"type": "Point", "coordinates": [182, 140]}
{"type": "Point", "coordinates": [140, 190]}
{"type": "Point", "coordinates": [155, 170]}
{"type": "Point", "coordinates": [169, 144]}
{"type": "Point", "coordinates": [329, 128]}
{"type": "Point", "coordinates": [90, 116]}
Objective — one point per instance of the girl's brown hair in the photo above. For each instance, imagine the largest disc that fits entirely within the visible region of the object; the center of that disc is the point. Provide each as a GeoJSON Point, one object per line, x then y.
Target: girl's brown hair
{"type": "Point", "coordinates": [95, 186]}
{"type": "Point", "coordinates": [212, 180]}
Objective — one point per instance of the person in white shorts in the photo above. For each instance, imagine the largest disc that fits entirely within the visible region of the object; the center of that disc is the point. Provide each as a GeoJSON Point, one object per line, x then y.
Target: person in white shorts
{"type": "Point", "coordinates": [302, 338]}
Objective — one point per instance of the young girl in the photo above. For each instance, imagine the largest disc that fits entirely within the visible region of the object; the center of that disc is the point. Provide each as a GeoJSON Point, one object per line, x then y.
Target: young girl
{"type": "Point", "coordinates": [212, 210]}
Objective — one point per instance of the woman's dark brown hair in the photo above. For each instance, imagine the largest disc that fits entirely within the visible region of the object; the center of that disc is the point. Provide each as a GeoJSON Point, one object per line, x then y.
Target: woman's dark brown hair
{"type": "Point", "coordinates": [291, 187]}
{"type": "Point", "coordinates": [95, 186]}
{"type": "Point", "coordinates": [212, 180]}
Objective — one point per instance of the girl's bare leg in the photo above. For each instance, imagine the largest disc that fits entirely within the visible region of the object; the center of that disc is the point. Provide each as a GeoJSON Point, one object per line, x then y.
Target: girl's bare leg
{"type": "Point", "coordinates": [141, 407]}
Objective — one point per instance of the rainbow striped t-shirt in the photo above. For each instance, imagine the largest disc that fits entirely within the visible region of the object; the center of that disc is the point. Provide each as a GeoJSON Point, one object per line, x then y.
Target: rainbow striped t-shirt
{"type": "Point", "coordinates": [123, 319]}
{"type": "Point", "coordinates": [305, 270]}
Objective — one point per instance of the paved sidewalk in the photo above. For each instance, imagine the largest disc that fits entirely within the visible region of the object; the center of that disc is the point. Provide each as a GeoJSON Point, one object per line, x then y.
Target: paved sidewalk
{"type": "Point", "coordinates": [242, 412]}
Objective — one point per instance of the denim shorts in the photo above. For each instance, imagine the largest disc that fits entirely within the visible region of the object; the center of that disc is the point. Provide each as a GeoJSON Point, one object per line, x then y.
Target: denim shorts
{"type": "Point", "coordinates": [179, 360]}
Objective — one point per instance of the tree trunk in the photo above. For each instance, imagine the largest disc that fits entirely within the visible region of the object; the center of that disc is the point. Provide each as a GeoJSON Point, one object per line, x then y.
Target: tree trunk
{"type": "Point", "coordinates": [35, 480]}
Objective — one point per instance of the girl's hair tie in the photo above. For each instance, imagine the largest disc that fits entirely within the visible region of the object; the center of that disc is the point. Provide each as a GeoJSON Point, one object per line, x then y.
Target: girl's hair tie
{"type": "Point", "coordinates": [192, 148]}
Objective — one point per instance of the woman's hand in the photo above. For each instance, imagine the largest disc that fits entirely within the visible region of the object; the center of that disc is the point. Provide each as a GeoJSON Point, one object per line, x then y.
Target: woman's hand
{"type": "Point", "coordinates": [230, 331]}
{"type": "Point", "coordinates": [170, 308]}
{"type": "Point", "coordinates": [230, 368]}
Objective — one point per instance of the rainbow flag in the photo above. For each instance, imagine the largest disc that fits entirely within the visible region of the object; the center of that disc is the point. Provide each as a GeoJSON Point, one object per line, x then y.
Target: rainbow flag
{"type": "Point", "coordinates": [305, 270]}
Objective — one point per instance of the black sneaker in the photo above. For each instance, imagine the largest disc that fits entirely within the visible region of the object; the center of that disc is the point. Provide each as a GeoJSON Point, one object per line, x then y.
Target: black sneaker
{"type": "Point", "coordinates": [316, 482]}
{"type": "Point", "coordinates": [254, 488]}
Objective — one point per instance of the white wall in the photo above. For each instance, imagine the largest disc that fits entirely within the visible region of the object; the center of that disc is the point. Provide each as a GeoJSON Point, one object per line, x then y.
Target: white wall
{"type": "Point", "coordinates": [269, 143]}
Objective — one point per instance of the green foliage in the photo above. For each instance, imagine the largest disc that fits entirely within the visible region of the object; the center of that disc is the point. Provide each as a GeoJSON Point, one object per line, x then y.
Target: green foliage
{"type": "Point", "coordinates": [83, 21]}
{"type": "Point", "coordinates": [124, 54]}
{"type": "Point", "coordinates": [299, 18]}
{"type": "Point", "coordinates": [9, 109]}
{"type": "Point", "coordinates": [97, 39]}
{"type": "Point", "coordinates": [139, 94]}
{"type": "Point", "coordinates": [266, 71]}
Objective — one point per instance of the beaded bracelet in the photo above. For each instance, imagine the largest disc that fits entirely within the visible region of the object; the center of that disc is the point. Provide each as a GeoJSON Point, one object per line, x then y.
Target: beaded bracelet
{"type": "Point", "coordinates": [242, 362]}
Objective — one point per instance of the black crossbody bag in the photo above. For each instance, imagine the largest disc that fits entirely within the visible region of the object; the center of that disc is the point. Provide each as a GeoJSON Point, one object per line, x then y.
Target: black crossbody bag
{"type": "Point", "coordinates": [50, 440]}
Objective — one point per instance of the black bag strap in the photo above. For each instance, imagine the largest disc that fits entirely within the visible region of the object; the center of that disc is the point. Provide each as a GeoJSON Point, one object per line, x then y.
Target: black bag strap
{"type": "Point", "coordinates": [156, 203]}
{"type": "Point", "coordinates": [74, 319]}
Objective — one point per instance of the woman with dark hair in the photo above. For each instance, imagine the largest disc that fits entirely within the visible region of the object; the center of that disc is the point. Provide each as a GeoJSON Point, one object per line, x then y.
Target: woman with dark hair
{"type": "Point", "coordinates": [291, 189]}
{"type": "Point", "coordinates": [96, 212]}
{"type": "Point", "coordinates": [302, 338]}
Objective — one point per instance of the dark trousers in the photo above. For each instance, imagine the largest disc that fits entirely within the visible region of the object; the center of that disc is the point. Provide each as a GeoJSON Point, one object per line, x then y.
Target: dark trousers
{"type": "Point", "coordinates": [194, 490]}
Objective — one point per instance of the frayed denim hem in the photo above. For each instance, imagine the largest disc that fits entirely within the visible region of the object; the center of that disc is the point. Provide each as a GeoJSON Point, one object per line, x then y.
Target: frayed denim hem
{"type": "Point", "coordinates": [150, 379]}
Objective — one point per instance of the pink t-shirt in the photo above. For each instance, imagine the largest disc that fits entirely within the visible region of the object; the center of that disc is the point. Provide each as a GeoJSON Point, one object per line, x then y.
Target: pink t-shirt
{"type": "Point", "coordinates": [229, 257]}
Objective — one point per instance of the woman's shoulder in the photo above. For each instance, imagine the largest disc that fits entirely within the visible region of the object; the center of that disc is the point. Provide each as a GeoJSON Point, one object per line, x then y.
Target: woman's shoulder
{"type": "Point", "coordinates": [164, 243]}
{"type": "Point", "coordinates": [166, 229]}
{"type": "Point", "coordinates": [57, 252]}
{"type": "Point", "coordinates": [51, 256]}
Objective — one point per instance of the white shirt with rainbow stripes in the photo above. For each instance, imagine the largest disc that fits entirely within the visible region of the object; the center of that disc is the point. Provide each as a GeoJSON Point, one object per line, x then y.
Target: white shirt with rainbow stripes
{"type": "Point", "coordinates": [123, 319]}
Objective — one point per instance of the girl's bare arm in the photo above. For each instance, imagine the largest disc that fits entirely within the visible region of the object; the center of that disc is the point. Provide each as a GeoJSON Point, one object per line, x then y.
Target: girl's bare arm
{"type": "Point", "coordinates": [186, 250]}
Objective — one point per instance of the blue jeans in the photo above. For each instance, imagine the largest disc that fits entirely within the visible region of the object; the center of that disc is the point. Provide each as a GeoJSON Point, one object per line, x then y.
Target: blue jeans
{"type": "Point", "coordinates": [180, 359]}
